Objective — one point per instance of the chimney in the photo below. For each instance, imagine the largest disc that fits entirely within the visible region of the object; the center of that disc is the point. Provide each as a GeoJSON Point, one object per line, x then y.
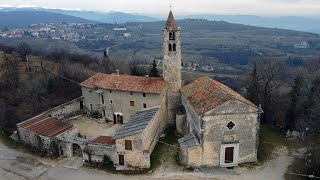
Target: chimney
{"type": "Point", "coordinates": [147, 78]}
{"type": "Point", "coordinates": [118, 71]}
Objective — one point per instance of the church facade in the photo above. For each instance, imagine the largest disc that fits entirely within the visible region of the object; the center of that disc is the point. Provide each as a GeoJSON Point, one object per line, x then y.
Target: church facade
{"type": "Point", "coordinates": [218, 127]}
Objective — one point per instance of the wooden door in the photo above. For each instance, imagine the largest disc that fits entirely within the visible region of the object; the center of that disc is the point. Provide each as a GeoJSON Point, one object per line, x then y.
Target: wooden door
{"type": "Point", "coordinates": [229, 155]}
{"type": "Point", "coordinates": [121, 160]}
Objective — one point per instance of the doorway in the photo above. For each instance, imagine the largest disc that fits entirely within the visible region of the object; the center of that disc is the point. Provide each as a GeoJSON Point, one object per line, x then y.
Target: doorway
{"type": "Point", "coordinates": [228, 156]}
{"type": "Point", "coordinates": [76, 150]}
{"type": "Point", "coordinates": [121, 160]}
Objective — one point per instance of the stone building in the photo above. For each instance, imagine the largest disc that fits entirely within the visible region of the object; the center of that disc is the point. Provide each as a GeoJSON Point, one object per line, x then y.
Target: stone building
{"type": "Point", "coordinates": [222, 126]}
{"type": "Point", "coordinates": [117, 96]}
{"type": "Point", "coordinates": [218, 126]}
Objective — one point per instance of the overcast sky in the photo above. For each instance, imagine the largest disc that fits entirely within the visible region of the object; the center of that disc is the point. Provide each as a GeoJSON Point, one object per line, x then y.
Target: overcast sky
{"type": "Point", "coordinates": [181, 7]}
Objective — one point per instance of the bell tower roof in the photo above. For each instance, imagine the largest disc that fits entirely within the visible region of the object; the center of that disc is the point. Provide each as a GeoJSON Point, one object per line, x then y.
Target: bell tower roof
{"type": "Point", "coordinates": [171, 22]}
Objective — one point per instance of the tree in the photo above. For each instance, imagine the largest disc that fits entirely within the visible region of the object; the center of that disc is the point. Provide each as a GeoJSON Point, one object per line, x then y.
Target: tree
{"type": "Point", "coordinates": [296, 102]}
{"type": "Point", "coordinates": [10, 73]}
{"type": "Point", "coordinates": [254, 87]}
{"type": "Point", "coordinates": [23, 49]}
{"type": "Point", "coordinates": [153, 70]}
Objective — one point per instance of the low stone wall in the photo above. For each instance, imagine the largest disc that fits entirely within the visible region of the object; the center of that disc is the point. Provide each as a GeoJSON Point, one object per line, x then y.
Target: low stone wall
{"type": "Point", "coordinates": [67, 109]}
{"type": "Point", "coordinates": [97, 151]}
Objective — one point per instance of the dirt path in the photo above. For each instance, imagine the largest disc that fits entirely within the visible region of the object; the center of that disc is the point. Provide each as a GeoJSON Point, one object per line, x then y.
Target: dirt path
{"type": "Point", "coordinates": [273, 169]}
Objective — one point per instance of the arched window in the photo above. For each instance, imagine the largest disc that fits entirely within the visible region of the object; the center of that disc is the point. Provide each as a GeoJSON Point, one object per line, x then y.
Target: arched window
{"type": "Point", "coordinates": [170, 47]}
{"type": "Point", "coordinates": [174, 47]}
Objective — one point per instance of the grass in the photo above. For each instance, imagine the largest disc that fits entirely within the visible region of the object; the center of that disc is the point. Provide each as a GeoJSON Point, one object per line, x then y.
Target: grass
{"type": "Point", "coordinates": [270, 139]}
{"type": "Point", "coordinates": [11, 143]}
{"type": "Point", "coordinates": [160, 148]}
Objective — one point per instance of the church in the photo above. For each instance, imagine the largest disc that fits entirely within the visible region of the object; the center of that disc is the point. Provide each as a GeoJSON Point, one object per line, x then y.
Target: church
{"type": "Point", "coordinates": [217, 126]}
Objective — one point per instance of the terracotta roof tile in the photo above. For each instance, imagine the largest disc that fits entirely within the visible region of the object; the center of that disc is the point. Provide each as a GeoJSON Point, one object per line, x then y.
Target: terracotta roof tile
{"type": "Point", "coordinates": [46, 126]}
{"type": "Point", "coordinates": [125, 83]}
{"type": "Point", "coordinates": [205, 94]}
{"type": "Point", "coordinates": [107, 140]}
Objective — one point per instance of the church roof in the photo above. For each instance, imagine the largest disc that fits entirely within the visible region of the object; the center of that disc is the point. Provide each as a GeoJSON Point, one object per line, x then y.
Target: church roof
{"type": "Point", "coordinates": [124, 82]}
{"type": "Point", "coordinates": [171, 22]}
{"type": "Point", "coordinates": [205, 94]}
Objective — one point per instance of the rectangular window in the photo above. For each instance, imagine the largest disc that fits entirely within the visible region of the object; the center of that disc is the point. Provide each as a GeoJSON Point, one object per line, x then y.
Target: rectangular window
{"type": "Point", "coordinates": [102, 99]}
{"type": "Point", "coordinates": [131, 93]}
{"type": "Point", "coordinates": [90, 107]}
{"type": "Point", "coordinates": [144, 94]}
{"type": "Point", "coordinates": [144, 105]}
{"type": "Point", "coordinates": [110, 91]}
{"type": "Point", "coordinates": [171, 36]}
{"type": "Point", "coordinates": [128, 144]}
{"type": "Point", "coordinates": [110, 101]}
{"type": "Point", "coordinates": [131, 103]}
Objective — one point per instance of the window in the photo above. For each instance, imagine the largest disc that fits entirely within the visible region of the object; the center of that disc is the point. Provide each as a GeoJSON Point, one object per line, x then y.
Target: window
{"type": "Point", "coordinates": [174, 47]}
{"type": "Point", "coordinates": [131, 103]}
{"type": "Point", "coordinates": [102, 99]}
{"type": "Point", "coordinates": [128, 144]}
{"type": "Point", "coordinates": [110, 101]}
{"type": "Point", "coordinates": [171, 36]}
{"type": "Point", "coordinates": [104, 113]}
{"type": "Point", "coordinates": [131, 93]}
{"type": "Point", "coordinates": [91, 107]}
{"type": "Point", "coordinates": [170, 47]}
{"type": "Point", "coordinates": [230, 125]}
{"type": "Point", "coordinates": [110, 91]}
{"type": "Point", "coordinates": [144, 94]}
{"type": "Point", "coordinates": [144, 105]}
{"type": "Point", "coordinates": [90, 91]}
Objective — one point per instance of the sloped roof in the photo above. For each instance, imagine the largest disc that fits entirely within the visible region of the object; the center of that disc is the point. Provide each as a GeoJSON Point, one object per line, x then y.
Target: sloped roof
{"type": "Point", "coordinates": [171, 22]}
{"type": "Point", "coordinates": [125, 83]}
{"type": "Point", "coordinates": [188, 140]}
{"type": "Point", "coordinates": [137, 123]}
{"type": "Point", "coordinates": [205, 94]}
{"type": "Point", "coordinates": [45, 126]}
{"type": "Point", "coordinates": [107, 140]}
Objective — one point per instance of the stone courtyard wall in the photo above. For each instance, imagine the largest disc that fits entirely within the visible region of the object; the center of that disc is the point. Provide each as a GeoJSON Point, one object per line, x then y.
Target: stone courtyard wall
{"type": "Point", "coordinates": [67, 109]}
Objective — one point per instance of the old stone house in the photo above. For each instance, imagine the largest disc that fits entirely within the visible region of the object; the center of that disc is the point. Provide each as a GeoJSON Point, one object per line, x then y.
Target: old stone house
{"type": "Point", "coordinates": [117, 96]}
{"type": "Point", "coordinates": [218, 126]}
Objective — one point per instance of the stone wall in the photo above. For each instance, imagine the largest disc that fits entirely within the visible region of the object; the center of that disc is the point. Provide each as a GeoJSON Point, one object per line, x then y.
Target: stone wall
{"type": "Point", "coordinates": [64, 110]}
{"type": "Point", "coordinates": [97, 152]}
{"type": "Point", "coordinates": [120, 102]}
{"type": "Point", "coordinates": [142, 144]}
{"type": "Point", "coordinates": [29, 138]}
{"type": "Point", "coordinates": [193, 120]}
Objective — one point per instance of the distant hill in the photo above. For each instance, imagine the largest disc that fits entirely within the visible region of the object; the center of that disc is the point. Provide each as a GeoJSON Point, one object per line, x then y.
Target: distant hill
{"type": "Point", "coordinates": [105, 17]}
{"type": "Point", "coordinates": [25, 18]}
{"type": "Point", "coordinates": [283, 22]}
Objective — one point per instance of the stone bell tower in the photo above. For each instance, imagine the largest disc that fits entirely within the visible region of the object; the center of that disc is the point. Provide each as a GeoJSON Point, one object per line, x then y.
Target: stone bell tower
{"type": "Point", "coordinates": [172, 66]}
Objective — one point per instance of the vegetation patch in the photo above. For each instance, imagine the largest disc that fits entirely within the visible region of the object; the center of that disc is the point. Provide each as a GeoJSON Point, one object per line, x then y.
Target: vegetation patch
{"type": "Point", "coordinates": [169, 149]}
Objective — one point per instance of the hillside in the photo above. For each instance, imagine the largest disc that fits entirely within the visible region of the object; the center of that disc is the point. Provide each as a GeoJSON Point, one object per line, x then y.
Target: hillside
{"type": "Point", "coordinates": [25, 18]}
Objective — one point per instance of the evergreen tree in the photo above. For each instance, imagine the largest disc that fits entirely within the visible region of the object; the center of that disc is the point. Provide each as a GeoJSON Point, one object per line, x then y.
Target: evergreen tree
{"type": "Point", "coordinates": [254, 86]}
{"type": "Point", "coordinates": [295, 97]}
{"type": "Point", "coordinates": [153, 70]}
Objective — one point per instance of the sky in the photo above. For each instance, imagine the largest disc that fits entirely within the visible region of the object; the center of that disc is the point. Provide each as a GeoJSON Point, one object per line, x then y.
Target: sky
{"type": "Point", "coordinates": [181, 7]}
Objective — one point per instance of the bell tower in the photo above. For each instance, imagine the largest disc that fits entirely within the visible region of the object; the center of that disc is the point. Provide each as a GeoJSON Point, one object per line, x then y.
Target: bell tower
{"type": "Point", "coordinates": [172, 66]}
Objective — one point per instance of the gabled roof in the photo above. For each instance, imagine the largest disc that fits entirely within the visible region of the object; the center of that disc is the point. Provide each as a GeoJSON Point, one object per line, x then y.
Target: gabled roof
{"type": "Point", "coordinates": [171, 22]}
{"type": "Point", "coordinates": [45, 126]}
{"type": "Point", "coordinates": [123, 82]}
{"type": "Point", "coordinates": [205, 94]}
{"type": "Point", "coordinates": [137, 123]}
